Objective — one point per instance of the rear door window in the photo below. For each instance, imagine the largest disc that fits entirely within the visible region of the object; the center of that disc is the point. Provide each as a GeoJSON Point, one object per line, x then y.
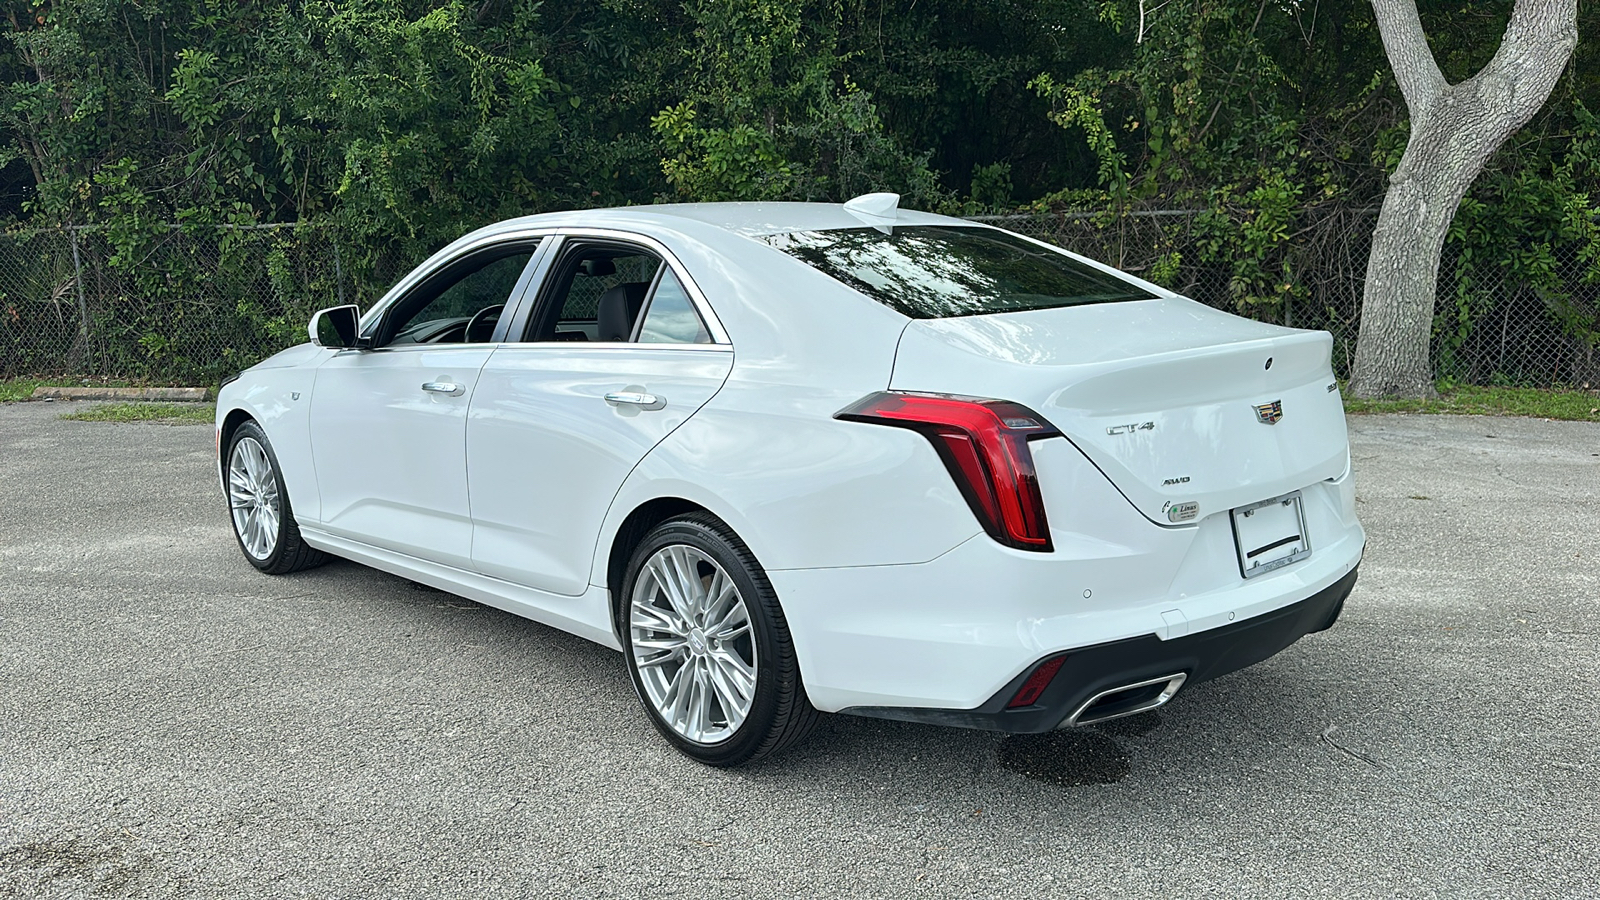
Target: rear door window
{"type": "Point", "coordinates": [941, 271]}
{"type": "Point", "coordinates": [587, 275]}
{"type": "Point", "coordinates": [615, 292]}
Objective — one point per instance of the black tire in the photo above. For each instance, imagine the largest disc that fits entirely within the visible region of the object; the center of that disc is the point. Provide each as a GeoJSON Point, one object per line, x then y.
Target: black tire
{"type": "Point", "coordinates": [780, 714]}
{"type": "Point", "coordinates": [289, 552]}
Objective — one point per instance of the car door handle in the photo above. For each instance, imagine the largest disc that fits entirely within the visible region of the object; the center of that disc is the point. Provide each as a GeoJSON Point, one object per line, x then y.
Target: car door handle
{"type": "Point", "coordinates": [634, 398]}
{"type": "Point", "coordinates": [448, 388]}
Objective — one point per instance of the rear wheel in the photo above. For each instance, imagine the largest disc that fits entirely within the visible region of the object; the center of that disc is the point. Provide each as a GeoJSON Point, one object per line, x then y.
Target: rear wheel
{"type": "Point", "coordinates": [708, 647]}
{"type": "Point", "coordinates": [263, 522]}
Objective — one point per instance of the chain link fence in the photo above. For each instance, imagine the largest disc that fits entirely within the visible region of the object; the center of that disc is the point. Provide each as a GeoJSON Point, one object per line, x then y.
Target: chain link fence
{"type": "Point", "coordinates": [189, 304]}
{"type": "Point", "coordinates": [170, 304]}
{"type": "Point", "coordinates": [1490, 327]}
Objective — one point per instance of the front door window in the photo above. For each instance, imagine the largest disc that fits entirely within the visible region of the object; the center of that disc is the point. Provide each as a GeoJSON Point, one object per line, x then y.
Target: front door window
{"type": "Point", "coordinates": [459, 305]}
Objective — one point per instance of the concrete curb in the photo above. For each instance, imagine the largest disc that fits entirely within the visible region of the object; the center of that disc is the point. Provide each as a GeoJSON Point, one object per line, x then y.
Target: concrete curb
{"type": "Point", "coordinates": [182, 394]}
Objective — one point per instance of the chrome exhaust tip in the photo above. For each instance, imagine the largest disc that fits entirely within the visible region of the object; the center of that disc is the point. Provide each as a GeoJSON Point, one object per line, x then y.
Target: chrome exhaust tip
{"type": "Point", "coordinates": [1126, 700]}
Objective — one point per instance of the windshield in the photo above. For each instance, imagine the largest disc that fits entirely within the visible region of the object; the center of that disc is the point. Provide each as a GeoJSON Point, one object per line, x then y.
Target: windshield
{"type": "Point", "coordinates": [939, 271]}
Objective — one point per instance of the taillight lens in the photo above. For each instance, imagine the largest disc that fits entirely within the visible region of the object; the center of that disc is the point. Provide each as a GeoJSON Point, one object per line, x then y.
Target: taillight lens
{"type": "Point", "coordinates": [984, 444]}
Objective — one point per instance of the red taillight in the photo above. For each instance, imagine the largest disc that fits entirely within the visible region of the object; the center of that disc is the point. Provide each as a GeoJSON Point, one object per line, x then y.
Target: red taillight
{"type": "Point", "coordinates": [1028, 694]}
{"type": "Point", "coordinates": [984, 444]}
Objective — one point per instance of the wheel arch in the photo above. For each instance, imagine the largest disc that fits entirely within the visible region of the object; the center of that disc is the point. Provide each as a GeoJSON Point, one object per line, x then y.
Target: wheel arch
{"type": "Point", "coordinates": [230, 423]}
{"type": "Point", "coordinates": [629, 534]}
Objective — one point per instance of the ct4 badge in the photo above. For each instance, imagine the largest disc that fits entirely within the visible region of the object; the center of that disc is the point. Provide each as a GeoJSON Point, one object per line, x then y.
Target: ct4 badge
{"type": "Point", "coordinates": [1270, 413]}
{"type": "Point", "coordinates": [1131, 427]}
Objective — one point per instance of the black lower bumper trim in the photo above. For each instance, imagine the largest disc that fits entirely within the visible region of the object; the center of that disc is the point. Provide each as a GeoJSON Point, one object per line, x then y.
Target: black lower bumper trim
{"type": "Point", "coordinates": [1091, 670]}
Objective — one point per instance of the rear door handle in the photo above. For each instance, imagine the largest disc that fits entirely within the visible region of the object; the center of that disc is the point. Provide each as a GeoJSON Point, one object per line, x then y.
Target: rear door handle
{"type": "Point", "coordinates": [634, 398]}
{"type": "Point", "coordinates": [448, 388]}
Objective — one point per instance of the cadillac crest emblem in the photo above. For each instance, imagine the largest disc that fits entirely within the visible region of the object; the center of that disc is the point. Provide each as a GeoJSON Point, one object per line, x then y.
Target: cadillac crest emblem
{"type": "Point", "coordinates": [1270, 413]}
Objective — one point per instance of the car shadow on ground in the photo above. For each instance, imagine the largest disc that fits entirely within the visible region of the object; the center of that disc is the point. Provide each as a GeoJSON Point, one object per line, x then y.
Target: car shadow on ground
{"type": "Point", "coordinates": [1243, 715]}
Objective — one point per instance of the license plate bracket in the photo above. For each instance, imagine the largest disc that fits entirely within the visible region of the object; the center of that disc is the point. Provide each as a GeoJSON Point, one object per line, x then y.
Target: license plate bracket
{"type": "Point", "coordinates": [1270, 534]}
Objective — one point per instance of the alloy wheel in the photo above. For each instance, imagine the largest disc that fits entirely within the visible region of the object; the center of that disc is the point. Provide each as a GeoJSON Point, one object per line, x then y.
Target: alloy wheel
{"type": "Point", "coordinates": [692, 644]}
{"type": "Point", "coordinates": [253, 496]}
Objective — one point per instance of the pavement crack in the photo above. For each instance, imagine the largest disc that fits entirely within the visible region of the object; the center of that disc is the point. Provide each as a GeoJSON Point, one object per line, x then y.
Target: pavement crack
{"type": "Point", "coordinates": [1357, 755]}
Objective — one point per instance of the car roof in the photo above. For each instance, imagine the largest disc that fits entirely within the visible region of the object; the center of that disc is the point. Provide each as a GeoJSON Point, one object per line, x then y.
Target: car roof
{"type": "Point", "coordinates": [747, 219]}
{"type": "Point", "coordinates": [790, 322]}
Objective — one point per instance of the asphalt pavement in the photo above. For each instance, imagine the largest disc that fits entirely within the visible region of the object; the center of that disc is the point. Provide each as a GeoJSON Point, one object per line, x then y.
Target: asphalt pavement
{"type": "Point", "coordinates": [173, 723]}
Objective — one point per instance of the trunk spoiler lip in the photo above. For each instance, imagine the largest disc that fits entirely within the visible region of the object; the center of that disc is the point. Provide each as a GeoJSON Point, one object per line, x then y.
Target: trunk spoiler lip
{"type": "Point", "coordinates": [1089, 368]}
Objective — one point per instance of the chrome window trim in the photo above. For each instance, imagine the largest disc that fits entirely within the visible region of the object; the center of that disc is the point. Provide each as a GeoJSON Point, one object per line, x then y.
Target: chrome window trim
{"type": "Point", "coordinates": [603, 345]}
{"type": "Point", "coordinates": [409, 348]}
{"type": "Point", "coordinates": [547, 345]}
{"type": "Point", "coordinates": [719, 335]}
{"type": "Point", "coordinates": [375, 314]}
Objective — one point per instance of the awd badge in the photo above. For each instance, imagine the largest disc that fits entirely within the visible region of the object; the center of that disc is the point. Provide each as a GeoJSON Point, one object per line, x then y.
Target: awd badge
{"type": "Point", "coordinates": [1270, 413]}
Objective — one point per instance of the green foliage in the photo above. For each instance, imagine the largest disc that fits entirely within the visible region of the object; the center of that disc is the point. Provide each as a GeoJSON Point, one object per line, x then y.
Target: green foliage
{"type": "Point", "coordinates": [396, 125]}
{"type": "Point", "coordinates": [1077, 105]}
{"type": "Point", "coordinates": [15, 389]}
{"type": "Point", "coordinates": [771, 112]}
{"type": "Point", "coordinates": [1521, 222]}
{"type": "Point", "coordinates": [731, 163]}
{"type": "Point", "coordinates": [1261, 115]}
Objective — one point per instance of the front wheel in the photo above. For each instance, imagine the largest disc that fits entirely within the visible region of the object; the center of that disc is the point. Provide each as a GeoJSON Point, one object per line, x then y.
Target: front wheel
{"type": "Point", "coordinates": [259, 506]}
{"type": "Point", "coordinates": [708, 647]}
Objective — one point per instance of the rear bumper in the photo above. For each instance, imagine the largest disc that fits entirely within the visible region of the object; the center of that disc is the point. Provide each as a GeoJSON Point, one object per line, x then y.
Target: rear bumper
{"type": "Point", "coordinates": [954, 632]}
{"type": "Point", "coordinates": [1090, 671]}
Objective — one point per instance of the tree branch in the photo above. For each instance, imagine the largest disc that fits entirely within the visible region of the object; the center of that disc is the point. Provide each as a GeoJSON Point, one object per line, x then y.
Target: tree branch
{"type": "Point", "coordinates": [1406, 45]}
{"type": "Point", "coordinates": [484, 11]}
{"type": "Point", "coordinates": [1532, 55]}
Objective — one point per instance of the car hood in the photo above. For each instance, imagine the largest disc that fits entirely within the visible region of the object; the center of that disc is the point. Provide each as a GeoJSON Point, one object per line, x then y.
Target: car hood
{"type": "Point", "coordinates": [298, 355]}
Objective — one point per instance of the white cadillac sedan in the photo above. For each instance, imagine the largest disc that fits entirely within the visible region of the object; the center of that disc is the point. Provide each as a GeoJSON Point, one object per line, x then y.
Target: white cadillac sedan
{"type": "Point", "coordinates": [793, 458]}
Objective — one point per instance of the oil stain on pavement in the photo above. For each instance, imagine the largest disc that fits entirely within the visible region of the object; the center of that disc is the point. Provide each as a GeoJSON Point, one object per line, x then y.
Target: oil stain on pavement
{"type": "Point", "coordinates": [1069, 758]}
{"type": "Point", "coordinates": [1077, 756]}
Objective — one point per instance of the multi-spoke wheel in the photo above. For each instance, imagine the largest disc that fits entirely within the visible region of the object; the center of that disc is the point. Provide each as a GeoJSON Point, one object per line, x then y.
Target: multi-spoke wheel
{"type": "Point", "coordinates": [262, 519]}
{"type": "Point", "coordinates": [253, 494]}
{"type": "Point", "coordinates": [708, 647]}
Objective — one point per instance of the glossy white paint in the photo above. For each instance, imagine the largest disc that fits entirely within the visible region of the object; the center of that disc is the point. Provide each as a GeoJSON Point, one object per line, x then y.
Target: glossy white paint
{"type": "Point", "coordinates": [390, 456]}
{"type": "Point", "coordinates": [279, 397]}
{"type": "Point", "coordinates": [513, 492]}
{"type": "Point", "coordinates": [801, 489]}
{"type": "Point", "coordinates": [1175, 380]}
{"type": "Point", "coordinates": [547, 452]}
{"type": "Point", "coordinates": [576, 615]}
{"type": "Point", "coordinates": [952, 631]}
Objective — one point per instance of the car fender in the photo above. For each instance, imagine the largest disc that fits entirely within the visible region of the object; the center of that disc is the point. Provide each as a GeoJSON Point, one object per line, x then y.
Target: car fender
{"type": "Point", "coordinates": [800, 488]}
{"type": "Point", "coordinates": [277, 395]}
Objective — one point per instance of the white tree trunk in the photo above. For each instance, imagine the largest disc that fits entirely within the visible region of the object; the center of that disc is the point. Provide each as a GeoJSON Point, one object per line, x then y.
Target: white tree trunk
{"type": "Point", "coordinates": [1454, 131]}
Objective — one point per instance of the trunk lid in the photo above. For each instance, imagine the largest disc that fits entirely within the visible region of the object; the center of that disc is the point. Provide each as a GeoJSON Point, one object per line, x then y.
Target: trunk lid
{"type": "Point", "coordinates": [1161, 395]}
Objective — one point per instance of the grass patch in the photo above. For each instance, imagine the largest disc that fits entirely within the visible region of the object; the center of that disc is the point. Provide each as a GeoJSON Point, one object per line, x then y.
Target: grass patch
{"type": "Point", "coordinates": [14, 389]}
{"type": "Point", "coordinates": [171, 413]}
{"type": "Point", "coordinates": [18, 388]}
{"type": "Point", "coordinates": [1568, 405]}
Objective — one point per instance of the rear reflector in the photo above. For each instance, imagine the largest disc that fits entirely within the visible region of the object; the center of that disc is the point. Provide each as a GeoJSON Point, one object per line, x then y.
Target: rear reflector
{"type": "Point", "coordinates": [1028, 694]}
{"type": "Point", "coordinates": [984, 444]}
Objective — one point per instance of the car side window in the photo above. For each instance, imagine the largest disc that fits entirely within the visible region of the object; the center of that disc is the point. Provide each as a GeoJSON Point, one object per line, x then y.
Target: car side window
{"type": "Point", "coordinates": [462, 303]}
{"type": "Point", "coordinates": [615, 293]}
{"type": "Point", "coordinates": [596, 293]}
{"type": "Point", "coordinates": [670, 318]}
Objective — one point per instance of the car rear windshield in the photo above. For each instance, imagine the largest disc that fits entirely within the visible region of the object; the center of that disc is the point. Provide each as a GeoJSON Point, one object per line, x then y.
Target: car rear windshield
{"type": "Point", "coordinates": [940, 271]}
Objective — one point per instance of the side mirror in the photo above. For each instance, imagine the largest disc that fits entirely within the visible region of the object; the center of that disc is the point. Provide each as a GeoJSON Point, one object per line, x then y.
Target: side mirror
{"type": "Point", "coordinates": [337, 327]}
